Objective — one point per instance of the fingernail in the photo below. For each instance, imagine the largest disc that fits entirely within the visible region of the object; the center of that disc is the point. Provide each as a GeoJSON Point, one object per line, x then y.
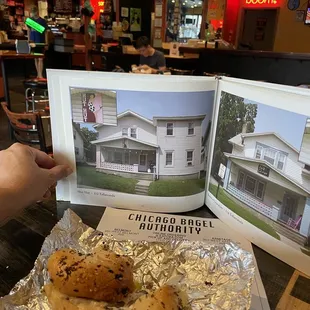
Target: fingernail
{"type": "Point", "coordinates": [69, 171]}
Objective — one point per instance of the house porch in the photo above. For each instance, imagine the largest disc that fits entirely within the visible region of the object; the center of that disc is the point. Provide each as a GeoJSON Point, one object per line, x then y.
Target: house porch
{"type": "Point", "coordinates": [126, 162]}
{"type": "Point", "coordinates": [278, 203]}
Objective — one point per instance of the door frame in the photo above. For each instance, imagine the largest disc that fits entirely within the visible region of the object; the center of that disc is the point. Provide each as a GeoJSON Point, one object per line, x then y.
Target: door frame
{"type": "Point", "coordinates": [296, 197]}
{"type": "Point", "coordinates": [240, 24]}
{"type": "Point", "coordinates": [145, 166]}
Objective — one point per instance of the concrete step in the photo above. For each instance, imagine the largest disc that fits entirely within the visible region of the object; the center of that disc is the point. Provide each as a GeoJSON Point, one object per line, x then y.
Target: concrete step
{"type": "Point", "coordinates": [145, 177]}
{"type": "Point", "coordinates": [146, 188]}
{"type": "Point", "coordinates": [142, 187]}
{"type": "Point", "coordinates": [143, 193]}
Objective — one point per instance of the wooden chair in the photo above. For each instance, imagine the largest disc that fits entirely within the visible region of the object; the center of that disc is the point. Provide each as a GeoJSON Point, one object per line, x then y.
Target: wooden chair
{"type": "Point", "coordinates": [28, 129]}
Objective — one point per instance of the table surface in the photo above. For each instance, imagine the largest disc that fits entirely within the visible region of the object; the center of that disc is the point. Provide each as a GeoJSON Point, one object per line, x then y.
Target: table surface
{"type": "Point", "coordinates": [6, 54]}
{"type": "Point", "coordinates": [21, 239]}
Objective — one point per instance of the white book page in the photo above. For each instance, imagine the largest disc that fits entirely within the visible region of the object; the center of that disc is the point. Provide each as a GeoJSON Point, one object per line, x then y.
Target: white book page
{"type": "Point", "coordinates": [133, 225]}
{"type": "Point", "coordinates": [135, 138]}
{"type": "Point", "coordinates": [259, 167]}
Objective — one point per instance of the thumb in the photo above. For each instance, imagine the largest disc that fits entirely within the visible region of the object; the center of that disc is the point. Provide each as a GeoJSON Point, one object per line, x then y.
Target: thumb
{"type": "Point", "coordinates": [58, 172]}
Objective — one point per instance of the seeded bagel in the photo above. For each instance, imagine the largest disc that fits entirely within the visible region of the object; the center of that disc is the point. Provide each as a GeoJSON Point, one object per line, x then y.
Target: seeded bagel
{"type": "Point", "coordinates": [102, 275]}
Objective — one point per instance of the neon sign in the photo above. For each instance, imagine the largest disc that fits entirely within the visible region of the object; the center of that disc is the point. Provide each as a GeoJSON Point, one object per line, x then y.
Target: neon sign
{"type": "Point", "coordinates": [266, 3]}
{"type": "Point", "coordinates": [98, 6]}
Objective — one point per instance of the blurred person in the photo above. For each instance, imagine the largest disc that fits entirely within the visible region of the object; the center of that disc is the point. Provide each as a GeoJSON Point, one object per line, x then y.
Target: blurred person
{"type": "Point", "coordinates": [38, 38]}
{"type": "Point", "coordinates": [150, 59]}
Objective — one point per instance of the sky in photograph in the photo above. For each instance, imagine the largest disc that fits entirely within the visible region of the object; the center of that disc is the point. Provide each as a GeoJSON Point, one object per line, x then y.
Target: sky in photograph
{"type": "Point", "coordinates": [290, 126]}
{"type": "Point", "coordinates": [151, 104]}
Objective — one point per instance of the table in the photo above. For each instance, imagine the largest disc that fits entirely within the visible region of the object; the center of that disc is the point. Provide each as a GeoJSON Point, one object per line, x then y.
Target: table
{"type": "Point", "coordinates": [11, 55]}
{"type": "Point", "coordinates": [21, 239]}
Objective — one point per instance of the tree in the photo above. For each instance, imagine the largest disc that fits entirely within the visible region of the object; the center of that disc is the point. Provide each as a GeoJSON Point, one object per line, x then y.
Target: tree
{"type": "Point", "coordinates": [234, 117]}
{"type": "Point", "coordinates": [89, 136]}
{"type": "Point", "coordinates": [90, 149]}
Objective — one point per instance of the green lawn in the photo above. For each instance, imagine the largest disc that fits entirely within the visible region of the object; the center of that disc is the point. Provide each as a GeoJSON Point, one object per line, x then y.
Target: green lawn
{"type": "Point", "coordinates": [88, 176]}
{"type": "Point", "coordinates": [245, 214]}
{"type": "Point", "coordinates": [176, 188]}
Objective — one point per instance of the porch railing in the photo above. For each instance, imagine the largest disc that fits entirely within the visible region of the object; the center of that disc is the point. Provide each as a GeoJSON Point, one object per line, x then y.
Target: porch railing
{"type": "Point", "coordinates": [120, 167]}
{"type": "Point", "coordinates": [271, 212]}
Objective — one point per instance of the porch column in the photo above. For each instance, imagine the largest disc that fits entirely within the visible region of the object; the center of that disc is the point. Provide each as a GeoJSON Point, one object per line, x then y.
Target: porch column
{"type": "Point", "coordinates": [227, 173]}
{"type": "Point", "coordinates": [157, 163]}
{"type": "Point", "coordinates": [98, 155]}
{"type": "Point", "coordinates": [305, 222]}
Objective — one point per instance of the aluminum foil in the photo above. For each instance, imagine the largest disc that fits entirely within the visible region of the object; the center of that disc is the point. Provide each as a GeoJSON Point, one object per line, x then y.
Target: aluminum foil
{"type": "Point", "coordinates": [215, 277]}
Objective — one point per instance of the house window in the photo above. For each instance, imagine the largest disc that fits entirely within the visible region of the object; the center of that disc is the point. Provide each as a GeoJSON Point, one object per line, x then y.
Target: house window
{"type": "Point", "coordinates": [273, 156]}
{"type": "Point", "coordinates": [281, 160]}
{"type": "Point", "coordinates": [191, 129]}
{"type": "Point", "coordinates": [260, 190]}
{"type": "Point", "coordinates": [307, 167]}
{"type": "Point", "coordinates": [110, 156]}
{"type": "Point", "coordinates": [169, 129]}
{"type": "Point", "coordinates": [250, 185]}
{"type": "Point", "coordinates": [118, 157]}
{"type": "Point", "coordinates": [126, 158]}
{"type": "Point", "coordinates": [142, 159]}
{"type": "Point", "coordinates": [74, 134]}
{"type": "Point", "coordinates": [189, 158]}
{"type": "Point", "coordinates": [169, 157]}
{"type": "Point", "coordinates": [77, 151]}
{"type": "Point", "coordinates": [270, 156]}
{"type": "Point", "coordinates": [240, 180]}
{"type": "Point", "coordinates": [133, 133]}
{"type": "Point", "coordinates": [125, 132]}
{"type": "Point", "coordinates": [259, 152]}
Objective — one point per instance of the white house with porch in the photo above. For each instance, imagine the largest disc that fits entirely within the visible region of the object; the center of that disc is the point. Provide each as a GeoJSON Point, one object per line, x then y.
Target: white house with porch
{"type": "Point", "coordinates": [165, 147]}
{"type": "Point", "coordinates": [264, 172]}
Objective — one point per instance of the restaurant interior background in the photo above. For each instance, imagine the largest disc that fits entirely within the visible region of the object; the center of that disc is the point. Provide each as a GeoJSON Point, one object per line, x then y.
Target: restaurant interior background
{"type": "Point", "coordinates": [262, 24]}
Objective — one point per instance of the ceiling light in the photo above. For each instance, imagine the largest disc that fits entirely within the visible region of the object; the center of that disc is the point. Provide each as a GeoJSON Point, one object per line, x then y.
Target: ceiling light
{"type": "Point", "coordinates": [184, 3]}
{"type": "Point", "coordinates": [200, 2]}
{"type": "Point", "coordinates": [192, 6]}
{"type": "Point", "coordinates": [195, 5]}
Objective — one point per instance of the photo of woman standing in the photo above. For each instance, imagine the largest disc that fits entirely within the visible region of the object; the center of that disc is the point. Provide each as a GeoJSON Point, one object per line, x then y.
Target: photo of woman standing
{"type": "Point", "coordinates": [92, 108]}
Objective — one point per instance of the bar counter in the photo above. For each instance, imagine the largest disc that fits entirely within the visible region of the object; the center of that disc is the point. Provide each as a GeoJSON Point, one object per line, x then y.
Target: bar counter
{"type": "Point", "coordinates": [281, 68]}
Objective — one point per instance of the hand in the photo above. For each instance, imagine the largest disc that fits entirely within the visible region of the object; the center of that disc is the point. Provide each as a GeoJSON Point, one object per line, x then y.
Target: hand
{"type": "Point", "coordinates": [27, 175]}
{"type": "Point", "coordinates": [145, 67]}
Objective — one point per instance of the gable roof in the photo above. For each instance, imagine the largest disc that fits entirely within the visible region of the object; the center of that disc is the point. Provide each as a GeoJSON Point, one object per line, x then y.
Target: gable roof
{"type": "Point", "coordinates": [238, 138]}
{"type": "Point", "coordinates": [121, 138]}
{"type": "Point", "coordinates": [260, 161]}
{"type": "Point", "coordinates": [131, 113]}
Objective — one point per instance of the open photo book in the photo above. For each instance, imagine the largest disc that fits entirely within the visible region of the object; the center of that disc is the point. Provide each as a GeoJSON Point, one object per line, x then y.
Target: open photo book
{"type": "Point", "coordinates": [171, 144]}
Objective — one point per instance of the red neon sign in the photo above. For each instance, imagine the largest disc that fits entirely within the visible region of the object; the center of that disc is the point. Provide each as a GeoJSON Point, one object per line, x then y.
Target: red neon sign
{"type": "Point", "coordinates": [98, 6]}
{"type": "Point", "coordinates": [262, 3]}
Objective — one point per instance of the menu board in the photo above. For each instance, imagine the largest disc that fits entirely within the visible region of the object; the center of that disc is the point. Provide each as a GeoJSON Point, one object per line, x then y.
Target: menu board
{"type": "Point", "coordinates": [63, 6]}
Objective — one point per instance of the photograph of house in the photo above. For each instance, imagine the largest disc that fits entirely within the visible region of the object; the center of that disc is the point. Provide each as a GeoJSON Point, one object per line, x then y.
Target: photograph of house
{"type": "Point", "coordinates": [266, 174]}
{"type": "Point", "coordinates": [162, 148]}
{"type": "Point", "coordinates": [151, 154]}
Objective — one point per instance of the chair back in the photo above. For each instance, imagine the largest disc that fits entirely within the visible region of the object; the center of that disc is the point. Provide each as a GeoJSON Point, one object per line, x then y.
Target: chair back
{"type": "Point", "coordinates": [27, 128]}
